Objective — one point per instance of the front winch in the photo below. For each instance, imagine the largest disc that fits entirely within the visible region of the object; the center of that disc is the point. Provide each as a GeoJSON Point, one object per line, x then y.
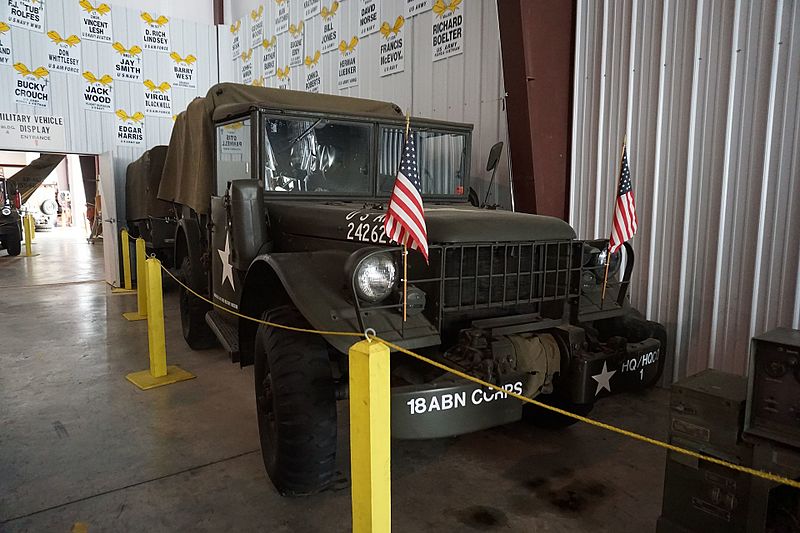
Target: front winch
{"type": "Point", "coordinates": [536, 356]}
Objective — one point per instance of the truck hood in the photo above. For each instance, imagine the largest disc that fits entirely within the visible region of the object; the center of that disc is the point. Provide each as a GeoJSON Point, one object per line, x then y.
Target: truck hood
{"type": "Point", "coordinates": [446, 223]}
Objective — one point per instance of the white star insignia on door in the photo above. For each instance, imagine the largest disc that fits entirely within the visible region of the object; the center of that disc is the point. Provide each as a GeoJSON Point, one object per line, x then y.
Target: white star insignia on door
{"type": "Point", "coordinates": [224, 256]}
{"type": "Point", "coordinates": [603, 379]}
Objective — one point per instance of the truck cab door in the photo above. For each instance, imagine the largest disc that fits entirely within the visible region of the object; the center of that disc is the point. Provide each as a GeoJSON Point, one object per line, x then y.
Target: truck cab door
{"type": "Point", "coordinates": [233, 163]}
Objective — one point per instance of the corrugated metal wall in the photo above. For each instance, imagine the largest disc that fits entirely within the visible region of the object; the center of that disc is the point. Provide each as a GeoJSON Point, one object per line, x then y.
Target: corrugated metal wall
{"type": "Point", "coordinates": [464, 88]}
{"type": "Point", "coordinates": [707, 91]}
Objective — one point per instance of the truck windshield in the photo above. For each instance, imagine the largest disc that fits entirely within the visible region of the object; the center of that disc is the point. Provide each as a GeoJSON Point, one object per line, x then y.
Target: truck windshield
{"type": "Point", "coordinates": [441, 157]}
{"type": "Point", "coordinates": [316, 156]}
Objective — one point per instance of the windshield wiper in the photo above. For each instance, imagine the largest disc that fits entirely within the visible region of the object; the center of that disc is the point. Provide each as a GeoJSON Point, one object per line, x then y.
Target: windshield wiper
{"type": "Point", "coordinates": [306, 132]}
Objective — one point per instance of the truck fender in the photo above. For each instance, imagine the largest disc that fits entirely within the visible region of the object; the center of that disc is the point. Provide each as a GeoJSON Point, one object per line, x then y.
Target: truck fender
{"type": "Point", "coordinates": [314, 282]}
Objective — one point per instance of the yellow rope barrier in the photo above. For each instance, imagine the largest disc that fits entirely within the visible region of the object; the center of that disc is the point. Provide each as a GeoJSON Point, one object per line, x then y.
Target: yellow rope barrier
{"type": "Point", "coordinates": [631, 434]}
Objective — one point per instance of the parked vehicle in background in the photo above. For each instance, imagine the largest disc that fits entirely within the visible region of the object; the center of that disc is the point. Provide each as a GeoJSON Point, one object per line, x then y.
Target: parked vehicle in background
{"type": "Point", "coordinates": [10, 220]}
{"type": "Point", "coordinates": [42, 206]}
{"type": "Point", "coordinates": [148, 217]}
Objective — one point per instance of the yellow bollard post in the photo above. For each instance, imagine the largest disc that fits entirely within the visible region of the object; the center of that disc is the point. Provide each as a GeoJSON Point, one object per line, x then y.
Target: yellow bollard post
{"type": "Point", "coordinates": [127, 287]}
{"type": "Point", "coordinates": [27, 224]}
{"type": "Point", "coordinates": [370, 437]}
{"type": "Point", "coordinates": [159, 373]}
{"type": "Point", "coordinates": [33, 227]}
{"type": "Point", "coordinates": [141, 284]}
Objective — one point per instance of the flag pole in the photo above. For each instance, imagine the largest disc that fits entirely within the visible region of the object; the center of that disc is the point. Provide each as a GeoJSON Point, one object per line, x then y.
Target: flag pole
{"type": "Point", "coordinates": [608, 248]}
{"type": "Point", "coordinates": [405, 249]}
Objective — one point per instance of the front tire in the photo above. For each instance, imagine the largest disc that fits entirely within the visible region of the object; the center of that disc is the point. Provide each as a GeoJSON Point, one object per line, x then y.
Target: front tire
{"type": "Point", "coordinates": [193, 312]}
{"type": "Point", "coordinates": [296, 405]}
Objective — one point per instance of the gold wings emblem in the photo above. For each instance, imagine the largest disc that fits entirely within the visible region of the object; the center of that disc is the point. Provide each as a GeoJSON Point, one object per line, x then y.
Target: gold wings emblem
{"type": "Point", "coordinates": [281, 73]}
{"type": "Point", "coordinates": [347, 48]}
{"type": "Point", "coordinates": [387, 30]}
{"type": "Point", "coordinates": [235, 26]}
{"type": "Point", "coordinates": [233, 126]}
{"type": "Point", "coordinates": [72, 40]}
{"type": "Point", "coordinates": [440, 8]}
{"type": "Point", "coordinates": [254, 14]}
{"type": "Point", "coordinates": [102, 9]}
{"type": "Point", "coordinates": [328, 13]}
{"type": "Point", "coordinates": [266, 43]}
{"type": "Point", "coordinates": [280, 2]}
{"type": "Point", "coordinates": [4, 27]}
{"type": "Point", "coordinates": [132, 51]}
{"type": "Point", "coordinates": [312, 61]}
{"type": "Point", "coordinates": [105, 79]}
{"type": "Point", "coordinates": [38, 73]}
{"type": "Point", "coordinates": [125, 117]}
{"type": "Point", "coordinates": [176, 57]}
{"type": "Point", "coordinates": [258, 82]}
{"type": "Point", "coordinates": [296, 30]}
{"type": "Point", "coordinates": [247, 55]}
{"type": "Point", "coordinates": [148, 18]}
{"type": "Point", "coordinates": [152, 87]}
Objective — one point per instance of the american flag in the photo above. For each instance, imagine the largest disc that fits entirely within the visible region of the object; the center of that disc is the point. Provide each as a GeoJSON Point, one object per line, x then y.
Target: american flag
{"type": "Point", "coordinates": [625, 222]}
{"type": "Point", "coordinates": [405, 216]}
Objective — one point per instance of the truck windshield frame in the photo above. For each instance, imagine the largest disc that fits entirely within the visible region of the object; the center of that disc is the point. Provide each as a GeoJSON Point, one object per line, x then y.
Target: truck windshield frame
{"type": "Point", "coordinates": [319, 149]}
{"type": "Point", "coordinates": [431, 162]}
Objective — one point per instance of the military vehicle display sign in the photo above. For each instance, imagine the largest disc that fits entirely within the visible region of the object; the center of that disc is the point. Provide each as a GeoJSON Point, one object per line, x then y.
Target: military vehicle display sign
{"type": "Point", "coordinates": [19, 131]}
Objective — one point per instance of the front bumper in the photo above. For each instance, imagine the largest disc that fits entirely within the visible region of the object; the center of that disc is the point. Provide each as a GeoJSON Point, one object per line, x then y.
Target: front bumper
{"type": "Point", "coordinates": [452, 408]}
{"type": "Point", "coordinates": [455, 407]}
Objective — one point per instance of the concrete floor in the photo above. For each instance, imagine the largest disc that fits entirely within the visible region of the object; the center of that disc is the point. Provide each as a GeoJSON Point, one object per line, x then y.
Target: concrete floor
{"type": "Point", "coordinates": [80, 444]}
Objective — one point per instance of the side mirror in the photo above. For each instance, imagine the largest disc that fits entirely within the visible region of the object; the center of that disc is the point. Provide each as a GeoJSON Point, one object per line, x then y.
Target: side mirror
{"type": "Point", "coordinates": [494, 156]}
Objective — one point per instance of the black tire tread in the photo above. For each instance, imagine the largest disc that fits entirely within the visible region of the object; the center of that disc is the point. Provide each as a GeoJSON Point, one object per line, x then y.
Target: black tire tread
{"type": "Point", "coordinates": [193, 314]}
{"type": "Point", "coordinates": [304, 457]}
{"type": "Point", "coordinates": [13, 243]}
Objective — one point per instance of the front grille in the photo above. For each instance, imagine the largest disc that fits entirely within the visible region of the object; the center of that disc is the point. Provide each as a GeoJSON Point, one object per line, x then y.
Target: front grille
{"type": "Point", "coordinates": [500, 275]}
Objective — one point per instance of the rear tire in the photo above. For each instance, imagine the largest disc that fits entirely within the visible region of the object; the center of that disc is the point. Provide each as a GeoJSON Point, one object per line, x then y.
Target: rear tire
{"type": "Point", "coordinates": [13, 244]}
{"type": "Point", "coordinates": [296, 405]}
{"type": "Point", "coordinates": [193, 312]}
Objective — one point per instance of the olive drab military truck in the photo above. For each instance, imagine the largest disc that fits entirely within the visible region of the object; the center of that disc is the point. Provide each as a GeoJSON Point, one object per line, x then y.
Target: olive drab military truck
{"type": "Point", "coordinates": [283, 197]}
{"type": "Point", "coordinates": [148, 217]}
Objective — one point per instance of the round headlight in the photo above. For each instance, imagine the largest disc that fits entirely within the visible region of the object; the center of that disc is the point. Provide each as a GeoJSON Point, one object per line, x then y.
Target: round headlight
{"type": "Point", "coordinates": [376, 277]}
{"type": "Point", "coordinates": [6, 211]}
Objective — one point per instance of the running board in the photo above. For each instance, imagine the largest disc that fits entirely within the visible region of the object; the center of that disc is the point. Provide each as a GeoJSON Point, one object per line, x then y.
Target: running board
{"type": "Point", "coordinates": [226, 332]}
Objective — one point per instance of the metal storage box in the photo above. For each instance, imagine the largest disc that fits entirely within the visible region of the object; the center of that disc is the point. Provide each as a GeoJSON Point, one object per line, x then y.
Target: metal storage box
{"type": "Point", "coordinates": [774, 507]}
{"type": "Point", "coordinates": [773, 407]}
{"type": "Point", "coordinates": [707, 413]}
{"type": "Point", "coordinates": [703, 496]}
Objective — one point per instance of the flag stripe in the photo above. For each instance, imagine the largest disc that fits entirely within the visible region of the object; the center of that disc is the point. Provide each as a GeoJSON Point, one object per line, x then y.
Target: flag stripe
{"type": "Point", "coordinates": [405, 215]}
{"type": "Point", "coordinates": [624, 223]}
